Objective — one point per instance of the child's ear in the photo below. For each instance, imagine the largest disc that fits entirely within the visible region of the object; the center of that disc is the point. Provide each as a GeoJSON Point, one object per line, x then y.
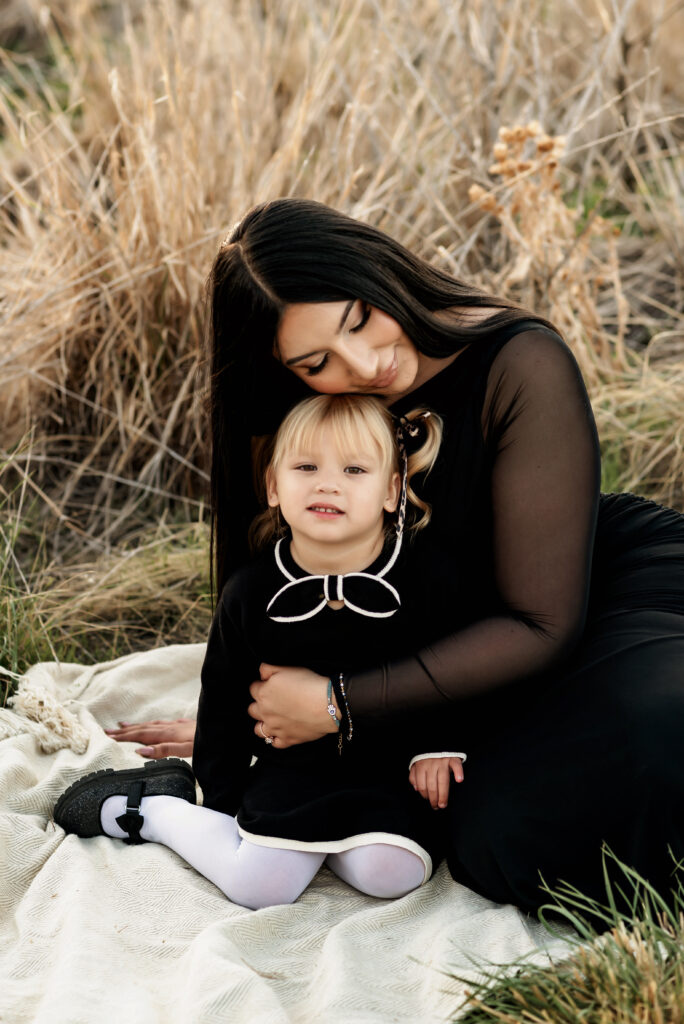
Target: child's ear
{"type": "Point", "coordinates": [271, 489]}
{"type": "Point", "coordinates": [393, 491]}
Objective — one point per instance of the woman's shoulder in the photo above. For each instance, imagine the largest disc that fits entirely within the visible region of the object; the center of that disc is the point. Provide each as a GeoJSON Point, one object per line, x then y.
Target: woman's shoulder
{"type": "Point", "coordinates": [535, 353]}
{"type": "Point", "coordinates": [528, 336]}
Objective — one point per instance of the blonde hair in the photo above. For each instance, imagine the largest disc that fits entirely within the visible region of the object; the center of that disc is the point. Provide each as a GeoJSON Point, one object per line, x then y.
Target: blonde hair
{"type": "Point", "coordinates": [355, 422]}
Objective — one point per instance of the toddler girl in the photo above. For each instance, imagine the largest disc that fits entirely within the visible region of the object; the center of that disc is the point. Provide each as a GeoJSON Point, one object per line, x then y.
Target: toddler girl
{"type": "Point", "coordinates": [336, 588]}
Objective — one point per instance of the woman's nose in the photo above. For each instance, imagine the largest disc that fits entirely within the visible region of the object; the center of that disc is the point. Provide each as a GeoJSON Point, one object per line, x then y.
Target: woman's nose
{"type": "Point", "coordinates": [362, 362]}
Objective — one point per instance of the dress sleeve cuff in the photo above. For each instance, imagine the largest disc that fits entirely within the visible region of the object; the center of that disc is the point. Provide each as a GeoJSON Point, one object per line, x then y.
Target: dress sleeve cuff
{"type": "Point", "coordinates": [441, 753]}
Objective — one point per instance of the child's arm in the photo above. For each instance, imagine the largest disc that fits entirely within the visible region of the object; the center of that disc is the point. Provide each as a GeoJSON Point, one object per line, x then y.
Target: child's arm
{"type": "Point", "coordinates": [224, 738]}
{"type": "Point", "coordinates": [433, 750]}
{"type": "Point", "coordinates": [430, 775]}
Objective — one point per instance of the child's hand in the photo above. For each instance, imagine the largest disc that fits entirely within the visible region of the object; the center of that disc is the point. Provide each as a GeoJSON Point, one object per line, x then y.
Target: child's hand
{"type": "Point", "coordinates": [431, 778]}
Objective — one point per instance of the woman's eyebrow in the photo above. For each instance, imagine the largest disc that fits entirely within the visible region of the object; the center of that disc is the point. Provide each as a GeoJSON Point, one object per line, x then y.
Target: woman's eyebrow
{"type": "Point", "coordinates": [307, 355]}
{"type": "Point", "coordinates": [345, 314]}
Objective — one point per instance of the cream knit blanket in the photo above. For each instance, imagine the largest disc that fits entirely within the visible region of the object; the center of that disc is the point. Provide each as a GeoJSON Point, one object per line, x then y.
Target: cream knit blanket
{"type": "Point", "coordinates": [95, 931]}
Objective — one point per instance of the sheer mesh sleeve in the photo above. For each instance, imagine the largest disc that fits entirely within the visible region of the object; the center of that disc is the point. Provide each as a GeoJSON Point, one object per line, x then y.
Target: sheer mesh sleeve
{"type": "Point", "coordinates": [544, 492]}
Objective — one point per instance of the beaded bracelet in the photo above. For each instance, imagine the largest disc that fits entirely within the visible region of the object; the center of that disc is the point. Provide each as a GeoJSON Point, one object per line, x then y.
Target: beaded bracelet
{"type": "Point", "coordinates": [332, 710]}
{"type": "Point", "coordinates": [341, 695]}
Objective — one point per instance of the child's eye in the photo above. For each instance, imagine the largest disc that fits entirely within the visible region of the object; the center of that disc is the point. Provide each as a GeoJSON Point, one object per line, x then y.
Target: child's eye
{"type": "Point", "coordinates": [364, 319]}
{"type": "Point", "coordinates": [354, 469]}
{"type": "Point", "coordinates": [306, 467]}
{"type": "Point", "coordinates": [311, 371]}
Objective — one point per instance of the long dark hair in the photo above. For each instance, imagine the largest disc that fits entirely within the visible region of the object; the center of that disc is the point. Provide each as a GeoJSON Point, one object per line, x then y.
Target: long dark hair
{"type": "Point", "coordinates": [291, 251]}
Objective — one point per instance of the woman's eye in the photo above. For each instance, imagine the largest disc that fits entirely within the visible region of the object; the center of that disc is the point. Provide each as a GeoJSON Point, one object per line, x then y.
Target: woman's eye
{"type": "Point", "coordinates": [366, 312]}
{"type": "Point", "coordinates": [311, 371]}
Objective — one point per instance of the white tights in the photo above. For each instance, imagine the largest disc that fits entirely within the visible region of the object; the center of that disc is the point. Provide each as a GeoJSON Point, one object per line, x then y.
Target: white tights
{"type": "Point", "coordinates": [260, 876]}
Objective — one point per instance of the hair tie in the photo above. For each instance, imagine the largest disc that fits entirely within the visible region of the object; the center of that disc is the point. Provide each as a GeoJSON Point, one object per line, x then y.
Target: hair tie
{"type": "Point", "coordinates": [411, 428]}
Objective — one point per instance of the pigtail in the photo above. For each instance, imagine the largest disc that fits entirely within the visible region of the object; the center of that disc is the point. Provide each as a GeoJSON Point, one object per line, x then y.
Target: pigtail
{"type": "Point", "coordinates": [427, 428]}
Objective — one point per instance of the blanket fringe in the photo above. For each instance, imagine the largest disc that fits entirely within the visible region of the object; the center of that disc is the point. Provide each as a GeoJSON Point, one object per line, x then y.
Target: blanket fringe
{"type": "Point", "coordinates": [54, 727]}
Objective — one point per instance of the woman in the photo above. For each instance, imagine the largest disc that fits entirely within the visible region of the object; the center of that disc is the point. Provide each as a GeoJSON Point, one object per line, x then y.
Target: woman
{"type": "Point", "coordinates": [566, 658]}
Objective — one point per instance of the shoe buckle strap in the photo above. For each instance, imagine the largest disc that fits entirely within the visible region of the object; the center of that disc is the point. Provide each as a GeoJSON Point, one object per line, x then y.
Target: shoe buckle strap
{"type": "Point", "coordinates": [135, 795]}
{"type": "Point", "coordinates": [132, 821]}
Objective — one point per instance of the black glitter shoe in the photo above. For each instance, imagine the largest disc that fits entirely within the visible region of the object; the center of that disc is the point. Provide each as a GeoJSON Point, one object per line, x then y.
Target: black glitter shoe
{"type": "Point", "coordinates": [78, 808]}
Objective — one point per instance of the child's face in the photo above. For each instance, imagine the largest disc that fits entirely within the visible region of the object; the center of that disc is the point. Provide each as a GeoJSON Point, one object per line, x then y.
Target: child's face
{"type": "Point", "coordinates": [326, 498]}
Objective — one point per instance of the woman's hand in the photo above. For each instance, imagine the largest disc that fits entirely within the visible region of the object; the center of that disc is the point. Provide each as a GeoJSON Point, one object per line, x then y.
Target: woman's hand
{"type": "Point", "coordinates": [431, 777]}
{"type": "Point", "coordinates": [290, 705]}
{"type": "Point", "coordinates": [162, 738]}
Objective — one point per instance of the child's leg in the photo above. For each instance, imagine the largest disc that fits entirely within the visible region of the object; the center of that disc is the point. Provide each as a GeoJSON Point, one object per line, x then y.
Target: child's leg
{"type": "Point", "coordinates": [379, 869]}
{"type": "Point", "coordinates": [250, 875]}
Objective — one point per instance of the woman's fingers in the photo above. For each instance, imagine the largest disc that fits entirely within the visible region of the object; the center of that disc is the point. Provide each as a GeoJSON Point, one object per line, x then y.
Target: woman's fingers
{"type": "Point", "coordinates": [158, 750]}
{"type": "Point", "coordinates": [179, 730]}
{"type": "Point", "coordinates": [291, 702]}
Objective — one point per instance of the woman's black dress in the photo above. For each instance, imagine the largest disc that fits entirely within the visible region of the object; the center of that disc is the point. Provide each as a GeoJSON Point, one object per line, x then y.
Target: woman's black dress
{"type": "Point", "coordinates": [315, 796]}
{"type": "Point", "coordinates": [564, 665]}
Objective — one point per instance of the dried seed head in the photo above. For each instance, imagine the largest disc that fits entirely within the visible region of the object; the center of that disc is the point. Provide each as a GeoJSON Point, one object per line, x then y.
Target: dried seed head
{"type": "Point", "coordinates": [476, 193]}
{"type": "Point", "coordinates": [505, 167]}
{"type": "Point", "coordinates": [485, 200]}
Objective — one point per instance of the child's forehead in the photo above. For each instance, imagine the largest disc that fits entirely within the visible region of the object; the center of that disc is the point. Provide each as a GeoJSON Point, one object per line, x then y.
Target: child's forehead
{"type": "Point", "coordinates": [327, 439]}
{"type": "Point", "coordinates": [342, 449]}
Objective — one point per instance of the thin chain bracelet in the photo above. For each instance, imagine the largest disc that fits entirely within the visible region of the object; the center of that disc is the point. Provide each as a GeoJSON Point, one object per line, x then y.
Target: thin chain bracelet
{"type": "Point", "coordinates": [344, 708]}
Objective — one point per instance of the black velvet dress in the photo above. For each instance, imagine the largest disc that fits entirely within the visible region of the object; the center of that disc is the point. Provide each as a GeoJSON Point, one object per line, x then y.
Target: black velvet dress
{"type": "Point", "coordinates": [564, 663]}
{"type": "Point", "coordinates": [315, 796]}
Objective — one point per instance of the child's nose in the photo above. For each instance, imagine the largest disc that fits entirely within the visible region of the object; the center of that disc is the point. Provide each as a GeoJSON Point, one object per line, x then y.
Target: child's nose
{"type": "Point", "coordinates": [328, 485]}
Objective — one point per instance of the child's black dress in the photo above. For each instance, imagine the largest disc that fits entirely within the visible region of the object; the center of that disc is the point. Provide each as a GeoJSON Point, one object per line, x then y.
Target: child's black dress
{"type": "Point", "coordinates": [311, 796]}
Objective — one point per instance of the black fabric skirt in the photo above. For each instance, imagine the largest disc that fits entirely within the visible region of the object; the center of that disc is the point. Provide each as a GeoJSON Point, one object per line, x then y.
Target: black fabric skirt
{"type": "Point", "coordinates": [311, 797]}
{"type": "Point", "coordinates": [593, 753]}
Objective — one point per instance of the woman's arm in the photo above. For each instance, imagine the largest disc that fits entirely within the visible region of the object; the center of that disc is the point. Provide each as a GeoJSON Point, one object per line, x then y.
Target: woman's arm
{"type": "Point", "coordinates": [544, 491]}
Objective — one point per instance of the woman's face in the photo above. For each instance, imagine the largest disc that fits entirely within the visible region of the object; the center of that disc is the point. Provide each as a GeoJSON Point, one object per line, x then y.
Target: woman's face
{"type": "Point", "coordinates": [338, 347]}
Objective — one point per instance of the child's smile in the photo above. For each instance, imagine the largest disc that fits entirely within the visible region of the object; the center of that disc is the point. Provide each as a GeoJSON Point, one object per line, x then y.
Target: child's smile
{"type": "Point", "coordinates": [326, 511]}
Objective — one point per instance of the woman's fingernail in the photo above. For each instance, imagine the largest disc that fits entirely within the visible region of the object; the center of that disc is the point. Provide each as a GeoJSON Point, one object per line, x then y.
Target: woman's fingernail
{"type": "Point", "coordinates": [145, 751]}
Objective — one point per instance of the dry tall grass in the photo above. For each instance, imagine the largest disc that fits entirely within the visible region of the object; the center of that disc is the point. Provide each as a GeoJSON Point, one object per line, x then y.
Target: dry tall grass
{"type": "Point", "coordinates": [134, 134]}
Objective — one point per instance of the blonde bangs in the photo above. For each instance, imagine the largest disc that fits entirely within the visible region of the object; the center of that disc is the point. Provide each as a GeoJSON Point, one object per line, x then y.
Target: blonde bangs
{"type": "Point", "coordinates": [352, 420]}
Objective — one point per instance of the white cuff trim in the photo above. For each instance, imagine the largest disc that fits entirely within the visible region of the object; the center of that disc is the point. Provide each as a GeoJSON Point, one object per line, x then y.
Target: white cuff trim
{"type": "Point", "coordinates": [442, 753]}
